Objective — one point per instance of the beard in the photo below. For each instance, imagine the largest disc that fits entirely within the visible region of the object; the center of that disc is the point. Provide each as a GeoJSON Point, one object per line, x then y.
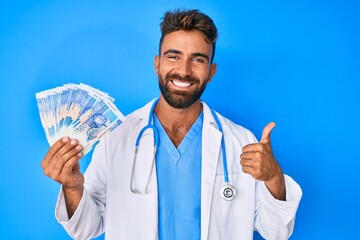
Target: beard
{"type": "Point", "coordinates": [181, 99]}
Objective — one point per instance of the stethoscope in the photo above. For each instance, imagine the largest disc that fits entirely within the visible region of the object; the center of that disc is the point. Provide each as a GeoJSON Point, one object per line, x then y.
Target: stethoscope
{"type": "Point", "coordinates": [227, 191]}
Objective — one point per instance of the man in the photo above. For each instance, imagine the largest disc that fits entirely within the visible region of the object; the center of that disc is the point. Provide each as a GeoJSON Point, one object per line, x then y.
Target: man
{"type": "Point", "coordinates": [186, 195]}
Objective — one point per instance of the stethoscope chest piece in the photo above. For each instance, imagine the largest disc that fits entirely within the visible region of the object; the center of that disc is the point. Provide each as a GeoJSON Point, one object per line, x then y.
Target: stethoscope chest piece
{"type": "Point", "coordinates": [228, 192]}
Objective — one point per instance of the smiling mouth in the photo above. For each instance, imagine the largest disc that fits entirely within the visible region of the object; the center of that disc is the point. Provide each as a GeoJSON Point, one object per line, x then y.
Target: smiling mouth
{"type": "Point", "coordinates": [181, 84]}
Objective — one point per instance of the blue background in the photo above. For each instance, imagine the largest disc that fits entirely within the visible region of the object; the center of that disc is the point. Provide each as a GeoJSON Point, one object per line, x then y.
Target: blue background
{"type": "Point", "coordinates": [293, 62]}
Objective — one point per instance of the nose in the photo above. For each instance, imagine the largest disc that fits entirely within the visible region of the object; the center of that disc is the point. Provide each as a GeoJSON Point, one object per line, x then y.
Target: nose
{"type": "Point", "coordinates": [184, 68]}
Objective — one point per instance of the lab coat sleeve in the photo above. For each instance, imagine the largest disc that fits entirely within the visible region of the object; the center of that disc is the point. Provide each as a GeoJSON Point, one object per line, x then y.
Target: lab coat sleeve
{"type": "Point", "coordinates": [88, 219]}
{"type": "Point", "coordinates": [275, 219]}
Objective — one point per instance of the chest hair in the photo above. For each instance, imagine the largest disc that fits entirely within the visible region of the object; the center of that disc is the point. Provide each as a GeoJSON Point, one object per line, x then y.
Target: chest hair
{"type": "Point", "coordinates": [176, 134]}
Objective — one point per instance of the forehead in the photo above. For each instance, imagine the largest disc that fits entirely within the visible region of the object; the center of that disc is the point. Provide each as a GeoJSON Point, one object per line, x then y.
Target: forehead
{"type": "Point", "coordinates": [187, 42]}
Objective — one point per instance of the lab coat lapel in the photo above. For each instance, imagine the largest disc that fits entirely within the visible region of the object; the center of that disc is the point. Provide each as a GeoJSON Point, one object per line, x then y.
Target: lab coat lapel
{"type": "Point", "coordinates": [211, 147]}
{"type": "Point", "coordinates": [150, 204]}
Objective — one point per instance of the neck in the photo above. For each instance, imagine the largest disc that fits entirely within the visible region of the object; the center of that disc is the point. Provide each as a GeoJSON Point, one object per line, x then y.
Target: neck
{"type": "Point", "coordinates": [177, 122]}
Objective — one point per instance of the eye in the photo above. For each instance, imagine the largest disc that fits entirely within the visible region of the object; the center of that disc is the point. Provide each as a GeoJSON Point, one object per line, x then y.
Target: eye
{"type": "Point", "coordinates": [199, 60]}
{"type": "Point", "coordinates": [173, 57]}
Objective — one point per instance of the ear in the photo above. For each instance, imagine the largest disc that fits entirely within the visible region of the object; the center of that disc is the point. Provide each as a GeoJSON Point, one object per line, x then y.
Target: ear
{"type": "Point", "coordinates": [213, 68]}
{"type": "Point", "coordinates": [157, 64]}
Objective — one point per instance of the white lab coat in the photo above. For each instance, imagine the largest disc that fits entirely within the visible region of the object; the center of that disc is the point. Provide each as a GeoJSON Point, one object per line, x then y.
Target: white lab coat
{"type": "Point", "coordinates": [109, 205]}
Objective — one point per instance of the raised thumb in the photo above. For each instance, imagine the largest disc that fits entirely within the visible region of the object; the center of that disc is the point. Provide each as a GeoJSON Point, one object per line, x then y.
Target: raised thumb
{"type": "Point", "coordinates": [265, 138]}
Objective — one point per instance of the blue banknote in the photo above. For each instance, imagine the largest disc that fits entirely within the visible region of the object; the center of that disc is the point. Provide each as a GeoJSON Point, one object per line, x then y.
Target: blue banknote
{"type": "Point", "coordinates": [78, 111]}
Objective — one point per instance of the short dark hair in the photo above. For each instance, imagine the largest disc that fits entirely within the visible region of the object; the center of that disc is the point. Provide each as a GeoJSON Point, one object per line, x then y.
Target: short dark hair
{"type": "Point", "coordinates": [189, 20]}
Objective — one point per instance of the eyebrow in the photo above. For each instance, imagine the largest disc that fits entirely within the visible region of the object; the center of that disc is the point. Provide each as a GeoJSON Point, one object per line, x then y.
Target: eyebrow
{"type": "Point", "coordinates": [196, 54]}
{"type": "Point", "coordinates": [172, 51]}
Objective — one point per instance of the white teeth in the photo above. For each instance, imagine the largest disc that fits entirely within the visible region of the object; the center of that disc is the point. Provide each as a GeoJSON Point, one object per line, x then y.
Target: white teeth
{"type": "Point", "coordinates": [181, 84]}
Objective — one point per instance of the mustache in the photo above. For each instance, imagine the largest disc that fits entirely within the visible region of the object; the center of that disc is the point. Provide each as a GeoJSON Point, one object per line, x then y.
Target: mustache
{"type": "Point", "coordinates": [176, 76]}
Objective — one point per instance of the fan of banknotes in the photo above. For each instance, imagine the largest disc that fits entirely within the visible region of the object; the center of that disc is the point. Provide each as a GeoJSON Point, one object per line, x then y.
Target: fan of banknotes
{"type": "Point", "coordinates": [78, 111]}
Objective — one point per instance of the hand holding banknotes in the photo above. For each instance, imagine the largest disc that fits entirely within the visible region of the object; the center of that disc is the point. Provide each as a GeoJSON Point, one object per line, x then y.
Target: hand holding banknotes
{"type": "Point", "coordinates": [75, 118]}
{"type": "Point", "coordinates": [61, 163]}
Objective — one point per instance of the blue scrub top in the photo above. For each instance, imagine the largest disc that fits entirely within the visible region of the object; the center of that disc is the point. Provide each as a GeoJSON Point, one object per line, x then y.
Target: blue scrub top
{"type": "Point", "coordinates": [179, 184]}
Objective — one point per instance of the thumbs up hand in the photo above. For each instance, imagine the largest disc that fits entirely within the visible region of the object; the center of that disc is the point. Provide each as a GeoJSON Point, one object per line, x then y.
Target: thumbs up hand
{"type": "Point", "coordinates": [258, 160]}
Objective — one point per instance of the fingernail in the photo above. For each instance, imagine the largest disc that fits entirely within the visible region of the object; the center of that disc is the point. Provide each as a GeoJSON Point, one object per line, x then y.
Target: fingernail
{"type": "Point", "coordinates": [78, 147]}
{"type": "Point", "coordinates": [79, 154]}
{"type": "Point", "coordinates": [65, 139]}
{"type": "Point", "coordinates": [73, 142]}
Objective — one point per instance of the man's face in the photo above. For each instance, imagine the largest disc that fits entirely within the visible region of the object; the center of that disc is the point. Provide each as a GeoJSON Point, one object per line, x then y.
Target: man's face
{"type": "Point", "coordinates": [184, 67]}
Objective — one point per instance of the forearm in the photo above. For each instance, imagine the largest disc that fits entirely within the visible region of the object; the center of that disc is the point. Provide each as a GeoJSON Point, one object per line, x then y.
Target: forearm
{"type": "Point", "coordinates": [276, 187]}
{"type": "Point", "coordinates": [72, 198]}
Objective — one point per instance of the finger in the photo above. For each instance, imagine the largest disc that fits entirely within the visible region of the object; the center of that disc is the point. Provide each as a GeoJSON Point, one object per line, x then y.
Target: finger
{"type": "Point", "coordinates": [246, 162]}
{"type": "Point", "coordinates": [53, 150]}
{"type": "Point", "coordinates": [254, 162]}
{"type": "Point", "coordinates": [60, 163]}
{"type": "Point", "coordinates": [251, 155]}
{"type": "Point", "coordinates": [254, 147]}
{"type": "Point", "coordinates": [246, 156]}
{"type": "Point", "coordinates": [256, 173]}
{"type": "Point", "coordinates": [69, 165]}
{"type": "Point", "coordinates": [248, 170]}
{"type": "Point", "coordinates": [249, 148]}
{"type": "Point", "coordinates": [265, 138]}
{"type": "Point", "coordinates": [73, 143]}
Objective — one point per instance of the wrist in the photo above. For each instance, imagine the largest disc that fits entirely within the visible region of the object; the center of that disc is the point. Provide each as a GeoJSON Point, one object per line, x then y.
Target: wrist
{"type": "Point", "coordinates": [72, 197]}
{"type": "Point", "coordinates": [276, 186]}
{"type": "Point", "coordinates": [71, 191]}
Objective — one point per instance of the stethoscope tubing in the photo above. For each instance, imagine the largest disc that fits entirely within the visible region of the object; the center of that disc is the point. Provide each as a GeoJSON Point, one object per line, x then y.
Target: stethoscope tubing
{"type": "Point", "coordinates": [228, 192]}
{"type": "Point", "coordinates": [223, 152]}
